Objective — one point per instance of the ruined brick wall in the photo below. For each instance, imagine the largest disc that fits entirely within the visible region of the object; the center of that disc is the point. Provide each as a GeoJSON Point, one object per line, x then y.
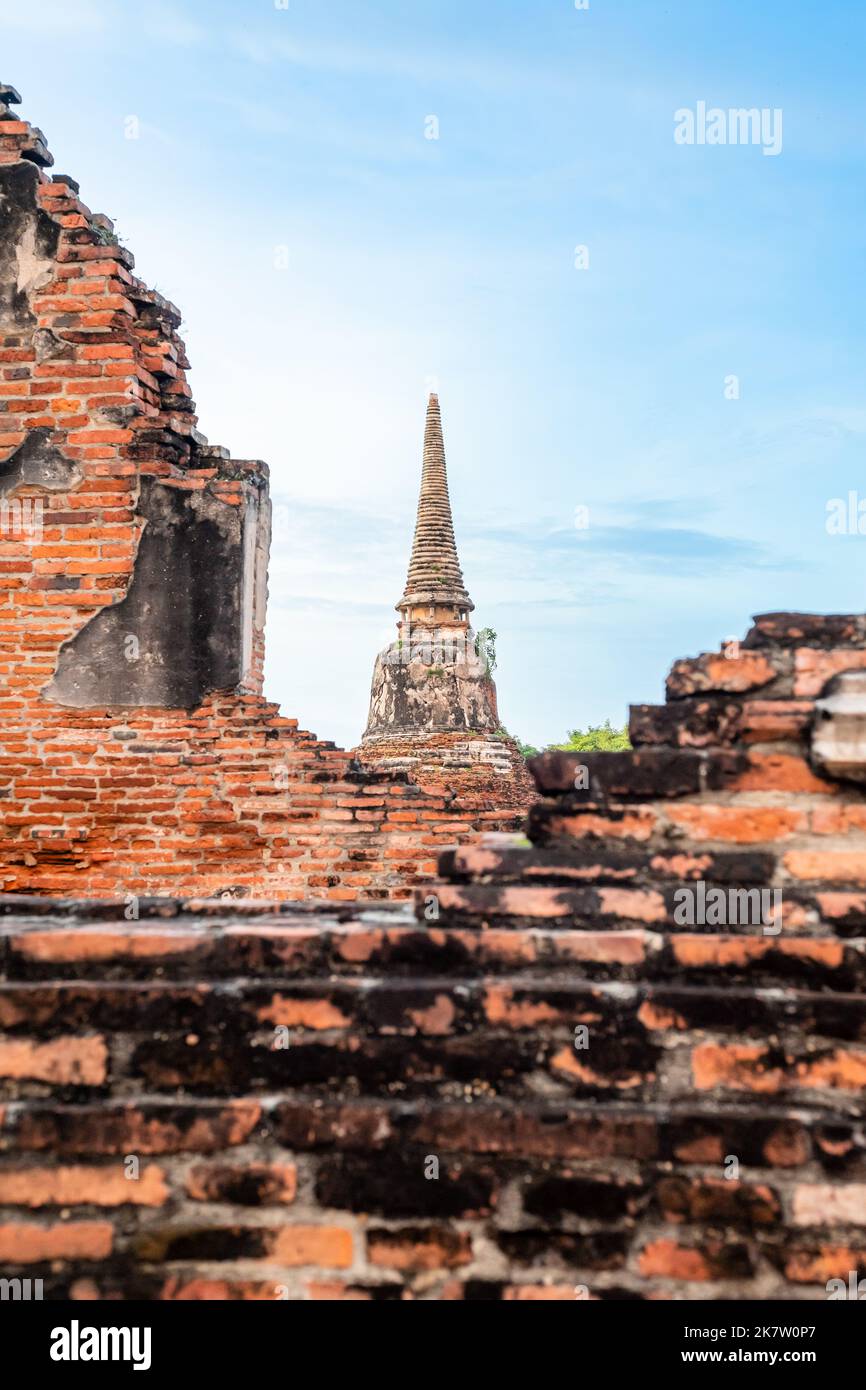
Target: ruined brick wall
{"type": "Point", "coordinates": [725, 1057]}
{"type": "Point", "coordinates": [137, 753]}
{"type": "Point", "coordinates": [230, 799]}
{"type": "Point", "coordinates": [618, 1103]}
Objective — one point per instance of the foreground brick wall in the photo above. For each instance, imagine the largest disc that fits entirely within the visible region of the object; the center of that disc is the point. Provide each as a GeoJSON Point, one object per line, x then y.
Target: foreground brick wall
{"type": "Point", "coordinates": [617, 1104]}
{"type": "Point", "coordinates": [708, 1041]}
{"type": "Point", "coordinates": [137, 753]}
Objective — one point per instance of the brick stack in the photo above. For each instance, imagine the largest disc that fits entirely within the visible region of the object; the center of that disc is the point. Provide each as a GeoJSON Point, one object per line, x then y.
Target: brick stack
{"type": "Point", "coordinates": [707, 1042]}
{"type": "Point", "coordinates": [137, 753]}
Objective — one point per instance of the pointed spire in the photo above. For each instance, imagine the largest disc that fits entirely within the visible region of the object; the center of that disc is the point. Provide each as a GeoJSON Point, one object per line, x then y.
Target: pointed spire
{"type": "Point", "coordinates": [434, 569]}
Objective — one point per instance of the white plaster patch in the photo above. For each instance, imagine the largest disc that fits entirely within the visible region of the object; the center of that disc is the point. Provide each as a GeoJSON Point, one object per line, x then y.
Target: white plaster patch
{"type": "Point", "coordinates": [32, 270]}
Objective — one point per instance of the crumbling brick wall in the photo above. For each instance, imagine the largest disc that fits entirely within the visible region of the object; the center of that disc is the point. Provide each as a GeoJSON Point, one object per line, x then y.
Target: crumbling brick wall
{"type": "Point", "coordinates": [137, 752]}
{"type": "Point", "coordinates": [725, 1056]}
{"type": "Point", "coordinates": [557, 1087]}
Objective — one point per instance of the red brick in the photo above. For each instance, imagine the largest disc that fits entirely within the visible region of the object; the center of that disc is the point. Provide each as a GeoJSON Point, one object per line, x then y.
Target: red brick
{"type": "Point", "coordinates": [419, 1249]}
{"type": "Point", "coordinates": [833, 866]}
{"type": "Point", "coordinates": [81, 1185]}
{"type": "Point", "coordinates": [67, 1061]}
{"type": "Point", "coordinates": [716, 671]}
{"type": "Point", "coordinates": [813, 669]}
{"type": "Point", "coordinates": [70, 1240]}
{"type": "Point", "coordinates": [741, 824]}
{"type": "Point", "coordinates": [329, 1247]}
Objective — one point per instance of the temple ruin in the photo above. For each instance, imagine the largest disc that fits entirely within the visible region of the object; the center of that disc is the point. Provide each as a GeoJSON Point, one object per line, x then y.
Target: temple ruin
{"type": "Point", "coordinates": [433, 706]}
{"type": "Point", "coordinates": [551, 1088]}
{"type": "Point", "coordinates": [540, 1079]}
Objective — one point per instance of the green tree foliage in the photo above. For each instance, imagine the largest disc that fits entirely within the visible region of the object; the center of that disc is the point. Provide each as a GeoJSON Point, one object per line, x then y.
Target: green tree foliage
{"type": "Point", "coordinates": [485, 647]}
{"type": "Point", "coordinates": [597, 738]}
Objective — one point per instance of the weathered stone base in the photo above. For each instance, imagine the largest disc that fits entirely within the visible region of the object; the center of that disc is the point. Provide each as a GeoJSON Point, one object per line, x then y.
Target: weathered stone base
{"type": "Point", "coordinates": [436, 682]}
{"type": "Point", "coordinates": [471, 765]}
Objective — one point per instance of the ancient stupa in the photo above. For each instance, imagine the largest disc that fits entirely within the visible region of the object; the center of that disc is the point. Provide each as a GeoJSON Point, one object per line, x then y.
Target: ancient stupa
{"type": "Point", "coordinates": [433, 709]}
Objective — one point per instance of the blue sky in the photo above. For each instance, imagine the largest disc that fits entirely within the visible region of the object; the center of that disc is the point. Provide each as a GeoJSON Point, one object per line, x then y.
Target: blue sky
{"type": "Point", "coordinates": [333, 264]}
